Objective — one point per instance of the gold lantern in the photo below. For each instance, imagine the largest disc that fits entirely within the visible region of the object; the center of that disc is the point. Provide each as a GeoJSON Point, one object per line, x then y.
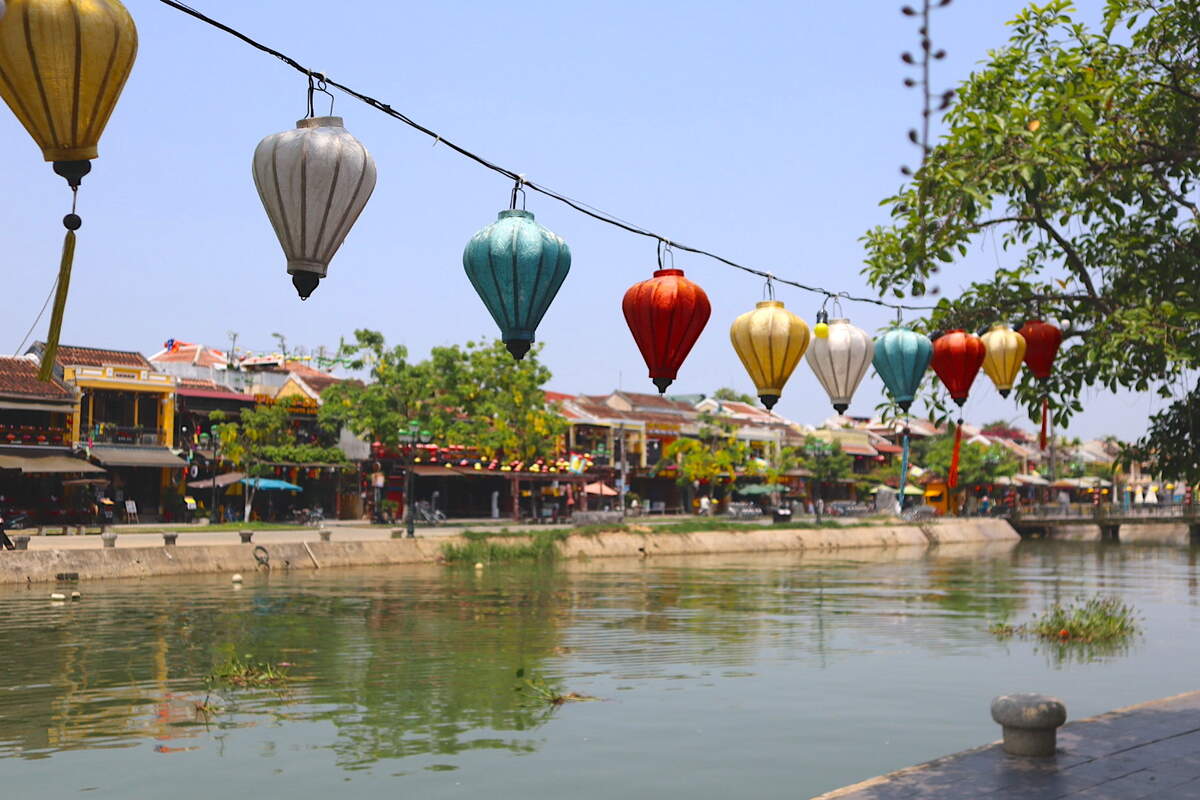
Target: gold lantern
{"type": "Point", "coordinates": [770, 340]}
{"type": "Point", "coordinates": [63, 64]}
{"type": "Point", "coordinates": [1004, 351]}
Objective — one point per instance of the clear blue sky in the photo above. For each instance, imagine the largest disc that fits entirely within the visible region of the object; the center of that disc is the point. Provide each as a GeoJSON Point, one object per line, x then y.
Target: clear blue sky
{"type": "Point", "coordinates": [766, 131]}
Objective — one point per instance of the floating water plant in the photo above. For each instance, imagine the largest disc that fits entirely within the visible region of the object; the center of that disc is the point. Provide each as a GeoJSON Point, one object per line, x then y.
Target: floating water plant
{"type": "Point", "coordinates": [538, 690]}
{"type": "Point", "coordinates": [235, 671]}
{"type": "Point", "coordinates": [1087, 620]}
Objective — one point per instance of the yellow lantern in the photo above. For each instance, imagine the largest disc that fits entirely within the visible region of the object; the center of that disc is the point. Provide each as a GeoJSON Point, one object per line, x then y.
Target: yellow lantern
{"type": "Point", "coordinates": [63, 64]}
{"type": "Point", "coordinates": [1004, 351]}
{"type": "Point", "coordinates": [770, 340]}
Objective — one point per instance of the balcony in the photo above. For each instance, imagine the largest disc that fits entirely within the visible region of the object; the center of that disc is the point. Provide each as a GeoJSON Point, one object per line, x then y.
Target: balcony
{"type": "Point", "coordinates": [140, 436]}
{"type": "Point", "coordinates": [32, 435]}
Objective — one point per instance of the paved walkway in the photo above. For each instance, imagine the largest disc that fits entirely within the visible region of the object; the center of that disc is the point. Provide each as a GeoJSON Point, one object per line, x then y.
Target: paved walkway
{"type": "Point", "coordinates": [1146, 751]}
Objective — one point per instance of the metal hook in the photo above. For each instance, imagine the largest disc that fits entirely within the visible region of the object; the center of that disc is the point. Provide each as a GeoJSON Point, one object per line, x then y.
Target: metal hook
{"type": "Point", "coordinates": [899, 316]}
{"type": "Point", "coordinates": [517, 187]}
{"type": "Point", "coordinates": [769, 289]}
{"type": "Point", "coordinates": [663, 250]}
{"type": "Point", "coordinates": [318, 85]}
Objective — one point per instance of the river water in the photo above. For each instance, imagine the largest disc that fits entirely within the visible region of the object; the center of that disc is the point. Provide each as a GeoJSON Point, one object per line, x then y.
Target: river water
{"type": "Point", "coordinates": [744, 676]}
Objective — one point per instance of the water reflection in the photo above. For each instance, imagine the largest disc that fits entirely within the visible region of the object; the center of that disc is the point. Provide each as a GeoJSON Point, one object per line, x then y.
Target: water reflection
{"type": "Point", "coordinates": [421, 661]}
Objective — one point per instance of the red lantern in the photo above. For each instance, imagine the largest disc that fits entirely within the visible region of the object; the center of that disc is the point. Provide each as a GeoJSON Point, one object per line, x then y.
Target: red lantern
{"type": "Point", "coordinates": [1042, 341]}
{"type": "Point", "coordinates": [957, 357]}
{"type": "Point", "coordinates": [666, 315]}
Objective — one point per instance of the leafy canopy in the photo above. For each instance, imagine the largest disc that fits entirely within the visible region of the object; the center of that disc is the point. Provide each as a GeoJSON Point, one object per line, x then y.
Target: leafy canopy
{"type": "Point", "coordinates": [1077, 151]}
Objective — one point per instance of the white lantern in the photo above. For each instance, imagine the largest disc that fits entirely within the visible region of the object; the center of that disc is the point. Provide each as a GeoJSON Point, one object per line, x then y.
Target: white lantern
{"type": "Point", "coordinates": [314, 181]}
{"type": "Point", "coordinates": [840, 360]}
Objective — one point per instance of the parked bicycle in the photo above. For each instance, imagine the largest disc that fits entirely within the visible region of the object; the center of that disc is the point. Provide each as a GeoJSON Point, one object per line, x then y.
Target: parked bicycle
{"type": "Point", "coordinates": [309, 516]}
{"type": "Point", "coordinates": [423, 511]}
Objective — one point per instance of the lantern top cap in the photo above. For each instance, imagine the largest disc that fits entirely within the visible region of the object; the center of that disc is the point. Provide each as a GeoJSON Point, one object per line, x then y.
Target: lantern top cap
{"type": "Point", "coordinates": [662, 273]}
{"type": "Point", "coordinates": [320, 122]}
{"type": "Point", "coordinates": [515, 212]}
{"type": "Point", "coordinates": [1001, 326]}
{"type": "Point", "coordinates": [842, 321]}
{"type": "Point", "coordinates": [769, 304]}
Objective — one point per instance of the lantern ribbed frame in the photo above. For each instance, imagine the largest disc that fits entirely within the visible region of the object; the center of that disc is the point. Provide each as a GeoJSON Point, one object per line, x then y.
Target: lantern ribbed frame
{"type": "Point", "coordinates": [770, 341]}
{"type": "Point", "coordinates": [1004, 351]}
{"type": "Point", "coordinates": [901, 358]}
{"type": "Point", "coordinates": [957, 357]}
{"type": "Point", "coordinates": [666, 315]}
{"type": "Point", "coordinates": [63, 64]}
{"type": "Point", "coordinates": [1042, 341]}
{"type": "Point", "coordinates": [314, 181]}
{"type": "Point", "coordinates": [840, 360]}
{"type": "Point", "coordinates": [517, 267]}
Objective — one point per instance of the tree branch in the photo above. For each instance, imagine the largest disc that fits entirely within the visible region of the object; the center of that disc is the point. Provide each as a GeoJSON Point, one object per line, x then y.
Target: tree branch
{"type": "Point", "coordinates": [1073, 260]}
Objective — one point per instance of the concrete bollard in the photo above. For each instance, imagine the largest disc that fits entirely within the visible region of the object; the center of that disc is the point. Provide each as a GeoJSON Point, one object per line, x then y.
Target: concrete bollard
{"type": "Point", "coordinates": [79, 530]}
{"type": "Point", "coordinates": [247, 536]}
{"type": "Point", "coordinates": [397, 533]}
{"type": "Point", "coordinates": [65, 529]}
{"type": "Point", "coordinates": [21, 542]}
{"type": "Point", "coordinates": [325, 534]}
{"type": "Point", "coordinates": [109, 538]}
{"type": "Point", "coordinates": [1030, 723]}
{"type": "Point", "coordinates": [169, 539]}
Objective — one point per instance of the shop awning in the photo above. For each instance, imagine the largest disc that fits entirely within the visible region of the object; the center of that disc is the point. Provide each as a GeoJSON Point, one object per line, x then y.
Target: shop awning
{"type": "Point", "coordinates": [430, 471]}
{"type": "Point", "coordinates": [228, 479]}
{"type": "Point", "coordinates": [47, 465]}
{"type": "Point", "coordinates": [160, 457]}
{"type": "Point", "coordinates": [52, 407]}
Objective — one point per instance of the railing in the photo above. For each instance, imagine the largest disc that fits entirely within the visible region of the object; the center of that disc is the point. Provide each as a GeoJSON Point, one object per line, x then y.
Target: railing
{"type": "Point", "coordinates": [1107, 511]}
{"type": "Point", "coordinates": [113, 434]}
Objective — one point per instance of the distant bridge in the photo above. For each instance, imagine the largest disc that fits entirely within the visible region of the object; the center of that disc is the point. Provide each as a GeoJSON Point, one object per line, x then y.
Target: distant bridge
{"type": "Point", "coordinates": [1109, 518]}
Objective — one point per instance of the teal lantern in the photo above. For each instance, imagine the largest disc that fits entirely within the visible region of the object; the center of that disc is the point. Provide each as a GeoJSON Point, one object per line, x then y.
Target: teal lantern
{"type": "Point", "coordinates": [517, 267]}
{"type": "Point", "coordinates": [901, 358]}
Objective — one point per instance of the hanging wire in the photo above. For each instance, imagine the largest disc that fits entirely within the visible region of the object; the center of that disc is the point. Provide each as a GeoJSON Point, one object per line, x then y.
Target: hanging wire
{"type": "Point", "coordinates": [42, 313]}
{"type": "Point", "coordinates": [317, 83]}
{"type": "Point", "coordinates": [577, 205]}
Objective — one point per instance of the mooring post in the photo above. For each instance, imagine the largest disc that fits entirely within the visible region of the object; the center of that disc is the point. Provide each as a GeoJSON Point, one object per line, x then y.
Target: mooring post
{"type": "Point", "coordinates": [169, 539]}
{"type": "Point", "coordinates": [109, 539]}
{"type": "Point", "coordinates": [247, 536]}
{"type": "Point", "coordinates": [1030, 723]}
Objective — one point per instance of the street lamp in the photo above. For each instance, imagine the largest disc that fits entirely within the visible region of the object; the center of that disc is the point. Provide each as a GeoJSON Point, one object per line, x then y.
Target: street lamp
{"type": "Point", "coordinates": [412, 437]}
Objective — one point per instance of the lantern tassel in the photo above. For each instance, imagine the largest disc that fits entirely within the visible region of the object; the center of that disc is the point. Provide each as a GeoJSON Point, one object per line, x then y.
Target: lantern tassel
{"type": "Point", "coordinates": [952, 482]}
{"type": "Point", "coordinates": [904, 466]}
{"type": "Point", "coordinates": [1045, 421]}
{"type": "Point", "coordinates": [60, 306]}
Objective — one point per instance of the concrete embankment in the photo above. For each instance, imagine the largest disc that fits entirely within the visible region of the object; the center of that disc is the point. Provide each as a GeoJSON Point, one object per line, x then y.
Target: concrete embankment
{"type": "Point", "coordinates": [35, 566]}
{"type": "Point", "coordinates": [1148, 533]}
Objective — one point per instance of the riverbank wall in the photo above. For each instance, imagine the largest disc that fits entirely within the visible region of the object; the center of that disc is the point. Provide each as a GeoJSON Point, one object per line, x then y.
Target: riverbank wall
{"type": "Point", "coordinates": [42, 566]}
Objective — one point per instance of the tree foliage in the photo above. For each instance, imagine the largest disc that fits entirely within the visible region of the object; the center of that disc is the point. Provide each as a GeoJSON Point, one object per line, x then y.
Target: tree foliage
{"type": "Point", "coordinates": [978, 463]}
{"type": "Point", "coordinates": [1077, 151]}
{"type": "Point", "coordinates": [734, 396]}
{"type": "Point", "coordinates": [472, 395]}
{"type": "Point", "coordinates": [716, 453]}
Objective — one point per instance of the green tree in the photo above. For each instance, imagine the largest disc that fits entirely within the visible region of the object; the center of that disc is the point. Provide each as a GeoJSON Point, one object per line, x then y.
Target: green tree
{"type": "Point", "coordinates": [262, 437]}
{"type": "Point", "coordinates": [828, 463]}
{"type": "Point", "coordinates": [734, 396]}
{"type": "Point", "coordinates": [715, 453]}
{"type": "Point", "coordinates": [978, 464]}
{"type": "Point", "coordinates": [473, 395]}
{"type": "Point", "coordinates": [1078, 151]}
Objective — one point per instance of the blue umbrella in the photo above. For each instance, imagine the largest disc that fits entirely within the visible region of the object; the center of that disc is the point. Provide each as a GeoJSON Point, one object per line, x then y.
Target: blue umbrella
{"type": "Point", "coordinates": [271, 484]}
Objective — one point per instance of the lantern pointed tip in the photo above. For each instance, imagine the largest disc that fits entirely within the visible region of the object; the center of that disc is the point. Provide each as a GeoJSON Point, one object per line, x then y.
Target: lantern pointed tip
{"type": "Point", "coordinates": [73, 171]}
{"type": "Point", "coordinates": [905, 406]}
{"type": "Point", "coordinates": [305, 283]}
{"type": "Point", "coordinates": [662, 384]}
{"type": "Point", "coordinates": [841, 407]}
{"type": "Point", "coordinates": [1004, 393]}
{"type": "Point", "coordinates": [518, 347]}
{"type": "Point", "coordinates": [769, 400]}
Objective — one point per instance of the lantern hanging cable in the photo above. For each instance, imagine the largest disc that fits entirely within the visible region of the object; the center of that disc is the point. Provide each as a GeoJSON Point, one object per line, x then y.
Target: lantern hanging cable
{"type": "Point", "coordinates": [577, 205]}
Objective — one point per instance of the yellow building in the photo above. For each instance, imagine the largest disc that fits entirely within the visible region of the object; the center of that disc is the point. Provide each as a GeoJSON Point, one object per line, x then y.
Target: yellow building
{"type": "Point", "coordinates": [126, 423]}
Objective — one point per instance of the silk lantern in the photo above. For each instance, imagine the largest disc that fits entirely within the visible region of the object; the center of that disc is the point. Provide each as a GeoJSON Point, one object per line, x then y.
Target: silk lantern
{"type": "Point", "coordinates": [63, 64]}
{"type": "Point", "coordinates": [770, 340]}
{"type": "Point", "coordinates": [957, 357]}
{"type": "Point", "coordinates": [517, 267]}
{"type": "Point", "coordinates": [901, 357]}
{"type": "Point", "coordinates": [666, 315]}
{"type": "Point", "coordinates": [1042, 341]}
{"type": "Point", "coordinates": [314, 181]}
{"type": "Point", "coordinates": [840, 359]}
{"type": "Point", "coordinates": [1004, 350]}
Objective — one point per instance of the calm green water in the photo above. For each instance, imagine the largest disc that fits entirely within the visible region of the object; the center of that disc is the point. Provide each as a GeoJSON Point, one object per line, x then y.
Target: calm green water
{"type": "Point", "coordinates": [754, 677]}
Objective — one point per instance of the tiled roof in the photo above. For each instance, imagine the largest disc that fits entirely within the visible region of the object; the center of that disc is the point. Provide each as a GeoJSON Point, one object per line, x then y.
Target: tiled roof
{"type": "Point", "coordinates": [320, 381]}
{"type": "Point", "coordinates": [72, 356]}
{"type": "Point", "coordinates": [19, 378]}
{"type": "Point", "coordinates": [207, 386]}
{"type": "Point", "coordinates": [197, 354]}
